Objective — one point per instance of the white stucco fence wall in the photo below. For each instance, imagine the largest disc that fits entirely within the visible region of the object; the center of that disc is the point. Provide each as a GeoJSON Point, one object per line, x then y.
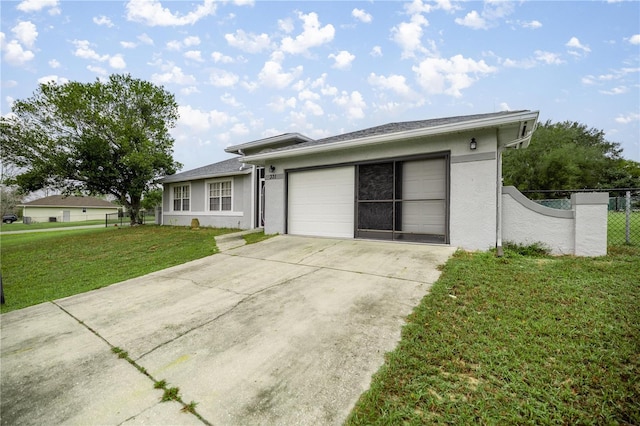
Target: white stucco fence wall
{"type": "Point", "coordinates": [581, 231]}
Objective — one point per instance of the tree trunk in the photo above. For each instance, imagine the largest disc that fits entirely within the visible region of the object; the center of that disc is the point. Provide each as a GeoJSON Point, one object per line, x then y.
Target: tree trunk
{"type": "Point", "coordinates": [134, 211]}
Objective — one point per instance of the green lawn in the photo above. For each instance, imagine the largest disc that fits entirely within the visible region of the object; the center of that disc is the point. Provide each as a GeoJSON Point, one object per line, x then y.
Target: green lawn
{"type": "Point", "coordinates": [19, 226]}
{"type": "Point", "coordinates": [42, 266]}
{"type": "Point", "coordinates": [517, 340]}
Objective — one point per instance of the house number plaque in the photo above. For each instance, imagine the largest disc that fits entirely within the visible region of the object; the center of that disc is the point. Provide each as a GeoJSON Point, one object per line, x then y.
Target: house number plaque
{"type": "Point", "coordinates": [274, 176]}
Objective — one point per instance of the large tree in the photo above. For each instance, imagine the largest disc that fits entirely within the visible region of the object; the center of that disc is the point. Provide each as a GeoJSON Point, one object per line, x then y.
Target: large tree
{"type": "Point", "coordinates": [569, 155]}
{"type": "Point", "coordinates": [106, 137]}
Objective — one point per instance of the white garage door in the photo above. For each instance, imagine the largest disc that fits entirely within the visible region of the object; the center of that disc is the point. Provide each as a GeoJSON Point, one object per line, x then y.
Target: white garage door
{"type": "Point", "coordinates": [321, 202]}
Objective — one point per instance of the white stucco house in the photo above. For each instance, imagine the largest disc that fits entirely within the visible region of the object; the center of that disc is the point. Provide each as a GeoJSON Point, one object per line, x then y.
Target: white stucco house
{"type": "Point", "coordinates": [435, 181]}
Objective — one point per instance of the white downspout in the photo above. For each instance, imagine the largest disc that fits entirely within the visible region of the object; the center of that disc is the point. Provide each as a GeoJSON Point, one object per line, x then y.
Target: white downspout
{"type": "Point", "coordinates": [499, 250]}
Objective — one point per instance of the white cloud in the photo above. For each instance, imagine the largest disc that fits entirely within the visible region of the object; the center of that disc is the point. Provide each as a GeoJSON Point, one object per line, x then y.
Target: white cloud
{"type": "Point", "coordinates": [342, 60]}
{"type": "Point", "coordinates": [52, 79]}
{"type": "Point", "coordinates": [26, 33]}
{"type": "Point", "coordinates": [102, 20]}
{"type": "Point", "coordinates": [615, 91]}
{"type": "Point", "coordinates": [504, 106]}
{"type": "Point", "coordinates": [15, 55]}
{"type": "Point", "coordinates": [313, 108]}
{"type": "Point", "coordinates": [145, 39]}
{"type": "Point", "coordinates": [312, 35]}
{"type": "Point", "coordinates": [376, 51]}
{"type": "Point", "coordinates": [307, 94]}
{"type": "Point", "coordinates": [576, 48]}
{"type": "Point", "coordinates": [634, 39]}
{"type": "Point", "coordinates": [394, 82]}
{"type": "Point", "coordinates": [174, 45]}
{"type": "Point", "coordinates": [194, 55]}
{"type": "Point", "coordinates": [548, 57]}
{"type": "Point", "coordinates": [191, 41]}
{"type": "Point", "coordinates": [186, 42]}
{"type": "Point", "coordinates": [272, 74]}
{"type": "Point", "coordinates": [450, 76]}
{"type": "Point", "coordinates": [473, 20]}
{"type": "Point", "coordinates": [38, 5]}
{"type": "Point", "coordinates": [523, 63]}
{"type": "Point", "coordinates": [84, 50]}
{"type": "Point", "coordinates": [361, 15]}
{"type": "Point", "coordinates": [222, 58]}
{"type": "Point", "coordinates": [151, 12]}
{"type": "Point", "coordinates": [128, 44]}
{"type": "Point", "coordinates": [230, 100]}
{"type": "Point", "coordinates": [117, 62]}
{"type": "Point", "coordinates": [175, 75]}
{"type": "Point", "coordinates": [286, 25]}
{"type": "Point", "coordinates": [353, 104]}
{"type": "Point", "coordinates": [408, 35]}
{"type": "Point", "coordinates": [251, 43]}
{"type": "Point", "coordinates": [97, 70]}
{"type": "Point", "coordinates": [222, 78]}
{"type": "Point", "coordinates": [54, 63]}
{"type": "Point", "coordinates": [239, 129]}
{"type": "Point", "coordinates": [189, 90]}
{"type": "Point", "coordinates": [279, 104]}
{"type": "Point", "coordinates": [533, 25]}
{"type": "Point", "coordinates": [195, 119]}
{"type": "Point", "coordinates": [628, 118]}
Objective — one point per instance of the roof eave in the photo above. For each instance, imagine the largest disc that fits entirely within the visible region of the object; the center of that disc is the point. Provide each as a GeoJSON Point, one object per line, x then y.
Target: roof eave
{"type": "Point", "coordinates": [169, 179]}
{"type": "Point", "coordinates": [408, 134]}
{"type": "Point", "coordinates": [264, 143]}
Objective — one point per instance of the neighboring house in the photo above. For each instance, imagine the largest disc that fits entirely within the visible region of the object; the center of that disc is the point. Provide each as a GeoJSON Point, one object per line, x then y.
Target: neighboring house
{"type": "Point", "coordinates": [436, 181]}
{"type": "Point", "coordinates": [60, 208]}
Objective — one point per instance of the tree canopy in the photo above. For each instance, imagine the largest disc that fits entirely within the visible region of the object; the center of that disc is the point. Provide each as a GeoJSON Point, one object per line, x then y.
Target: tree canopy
{"type": "Point", "coordinates": [569, 155]}
{"type": "Point", "coordinates": [108, 137]}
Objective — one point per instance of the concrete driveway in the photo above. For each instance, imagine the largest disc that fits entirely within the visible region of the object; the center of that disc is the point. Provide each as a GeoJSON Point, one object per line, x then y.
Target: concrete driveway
{"type": "Point", "coordinates": [286, 331]}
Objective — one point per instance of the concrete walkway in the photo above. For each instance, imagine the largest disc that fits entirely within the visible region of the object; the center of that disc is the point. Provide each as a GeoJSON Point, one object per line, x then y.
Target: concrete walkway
{"type": "Point", "coordinates": [286, 331]}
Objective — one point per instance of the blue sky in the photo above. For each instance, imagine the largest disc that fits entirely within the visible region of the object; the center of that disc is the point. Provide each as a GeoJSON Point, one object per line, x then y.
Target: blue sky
{"type": "Point", "coordinates": [243, 70]}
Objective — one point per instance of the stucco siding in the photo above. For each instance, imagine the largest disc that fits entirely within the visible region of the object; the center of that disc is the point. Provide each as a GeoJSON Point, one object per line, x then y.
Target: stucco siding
{"type": "Point", "coordinates": [472, 208]}
{"type": "Point", "coordinates": [76, 214]}
{"type": "Point", "coordinates": [239, 217]}
{"type": "Point", "coordinates": [526, 222]}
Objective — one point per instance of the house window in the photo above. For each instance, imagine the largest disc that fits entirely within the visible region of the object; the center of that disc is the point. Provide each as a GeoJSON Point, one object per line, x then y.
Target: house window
{"type": "Point", "coordinates": [181, 198]}
{"type": "Point", "coordinates": [220, 196]}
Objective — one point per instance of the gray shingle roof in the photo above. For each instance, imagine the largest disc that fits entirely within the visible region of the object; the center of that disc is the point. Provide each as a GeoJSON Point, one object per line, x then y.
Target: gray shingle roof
{"type": "Point", "coordinates": [70, 201]}
{"type": "Point", "coordinates": [232, 166]}
{"type": "Point", "coordinates": [391, 128]}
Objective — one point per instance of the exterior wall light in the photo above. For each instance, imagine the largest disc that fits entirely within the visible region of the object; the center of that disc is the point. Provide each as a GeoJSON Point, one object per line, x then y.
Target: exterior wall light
{"type": "Point", "coordinates": [473, 144]}
{"type": "Point", "coordinates": [272, 168]}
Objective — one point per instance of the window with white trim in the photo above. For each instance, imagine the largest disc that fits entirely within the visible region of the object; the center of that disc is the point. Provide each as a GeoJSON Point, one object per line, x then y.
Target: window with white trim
{"type": "Point", "coordinates": [220, 196]}
{"type": "Point", "coordinates": [181, 198]}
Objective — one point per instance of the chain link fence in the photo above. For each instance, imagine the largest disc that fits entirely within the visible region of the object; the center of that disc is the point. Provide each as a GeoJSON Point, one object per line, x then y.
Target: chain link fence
{"type": "Point", "coordinates": [624, 210]}
{"type": "Point", "coordinates": [122, 218]}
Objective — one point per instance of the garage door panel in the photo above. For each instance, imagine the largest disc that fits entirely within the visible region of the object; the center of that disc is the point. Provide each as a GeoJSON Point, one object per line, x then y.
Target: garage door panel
{"type": "Point", "coordinates": [321, 202]}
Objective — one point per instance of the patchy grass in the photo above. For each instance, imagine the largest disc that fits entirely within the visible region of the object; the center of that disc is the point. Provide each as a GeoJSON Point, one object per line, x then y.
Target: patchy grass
{"type": "Point", "coordinates": [42, 266]}
{"type": "Point", "coordinates": [517, 340]}
{"type": "Point", "coordinates": [256, 237]}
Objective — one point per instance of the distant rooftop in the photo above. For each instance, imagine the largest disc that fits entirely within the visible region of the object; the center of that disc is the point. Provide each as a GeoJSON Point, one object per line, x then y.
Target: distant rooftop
{"type": "Point", "coordinates": [69, 201]}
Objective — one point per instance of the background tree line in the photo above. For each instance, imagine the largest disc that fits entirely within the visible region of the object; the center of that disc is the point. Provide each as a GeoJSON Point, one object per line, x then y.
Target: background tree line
{"type": "Point", "coordinates": [569, 155]}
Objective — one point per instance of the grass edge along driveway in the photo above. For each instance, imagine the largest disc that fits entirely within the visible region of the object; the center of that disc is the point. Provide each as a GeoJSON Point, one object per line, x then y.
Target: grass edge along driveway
{"type": "Point", "coordinates": [42, 266]}
{"type": "Point", "coordinates": [517, 340]}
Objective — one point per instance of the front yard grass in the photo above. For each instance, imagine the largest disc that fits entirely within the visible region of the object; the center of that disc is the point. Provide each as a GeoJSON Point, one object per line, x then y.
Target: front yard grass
{"type": "Point", "coordinates": [517, 340]}
{"type": "Point", "coordinates": [42, 266]}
